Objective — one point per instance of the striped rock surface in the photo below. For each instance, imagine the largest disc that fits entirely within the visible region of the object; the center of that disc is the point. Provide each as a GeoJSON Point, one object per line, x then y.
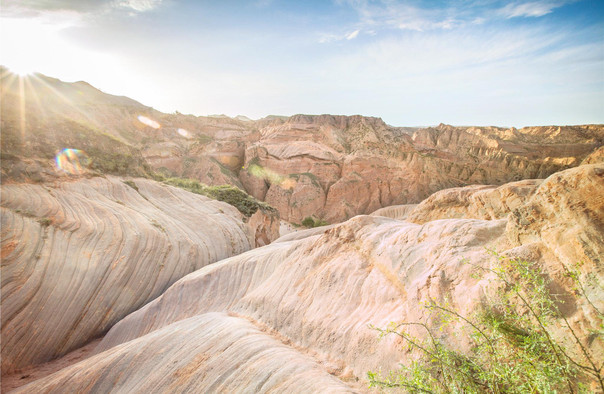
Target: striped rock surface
{"type": "Point", "coordinates": [211, 353]}
{"type": "Point", "coordinates": [315, 298]}
{"type": "Point", "coordinates": [400, 212]}
{"type": "Point", "coordinates": [79, 256]}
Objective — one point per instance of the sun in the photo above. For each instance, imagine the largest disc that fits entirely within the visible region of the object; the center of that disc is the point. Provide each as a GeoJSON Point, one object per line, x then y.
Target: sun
{"type": "Point", "coordinates": [21, 70]}
{"type": "Point", "coordinates": [41, 45]}
{"type": "Point", "coordinates": [29, 46]}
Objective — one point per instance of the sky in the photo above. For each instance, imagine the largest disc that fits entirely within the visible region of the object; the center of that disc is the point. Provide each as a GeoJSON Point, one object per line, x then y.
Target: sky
{"type": "Point", "coordinates": [410, 62]}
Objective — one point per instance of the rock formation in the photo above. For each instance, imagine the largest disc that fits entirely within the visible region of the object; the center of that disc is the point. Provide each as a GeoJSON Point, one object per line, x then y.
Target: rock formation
{"type": "Point", "coordinates": [169, 276]}
{"type": "Point", "coordinates": [308, 302]}
{"type": "Point", "coordinates": [326, 166]}
{"type": "Point", "coordinates": [78, 256]}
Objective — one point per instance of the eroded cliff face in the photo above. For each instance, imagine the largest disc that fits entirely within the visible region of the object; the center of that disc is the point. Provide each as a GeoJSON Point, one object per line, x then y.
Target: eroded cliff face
{"type": "Point", "coordinates": [326, 166]}
{"type": "Point", "coordinates": [79, 256]}
{"type": "Point", "coordinates": [307, 301]}
{"type": "Point", "coordinates": [360, 164]}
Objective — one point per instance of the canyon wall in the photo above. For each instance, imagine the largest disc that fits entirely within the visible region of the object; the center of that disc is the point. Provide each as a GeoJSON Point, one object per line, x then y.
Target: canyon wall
{"type": "Point", "coordinates": [326, 166]}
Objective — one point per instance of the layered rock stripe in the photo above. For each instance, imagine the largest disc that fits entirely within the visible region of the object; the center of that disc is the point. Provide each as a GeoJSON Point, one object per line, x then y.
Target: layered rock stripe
{"type": "Point", "coordinates": [79, 256]}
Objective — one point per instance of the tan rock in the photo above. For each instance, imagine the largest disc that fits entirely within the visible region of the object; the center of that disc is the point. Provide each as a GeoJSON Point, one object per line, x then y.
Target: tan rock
{"type": "Point", "coordinates": [296, 197]}
{"type": "Point", "coordinates": [221, 353]}
{"type": "Point", "coordinates": [265, 227]}
{"type": "Point", "coordinates": [79, 256]}
{"type": "Point", "coordinates": [566, 213]}
{"type": "Point", "coordinates": [477, 202]}
{"type": "Point", "coordinates": [400, 212]}
{"type": "Point", "coordinates": [318, 294]}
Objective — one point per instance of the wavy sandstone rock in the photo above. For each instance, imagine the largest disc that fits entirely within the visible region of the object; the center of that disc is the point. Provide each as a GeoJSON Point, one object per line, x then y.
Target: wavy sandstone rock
{"type": "Point", "coordinates": [314, 297]}
{"type": "Point", "coordinates": [476, 202]}
{"type": "Point", "coordinates": [566, 213]}
{"type": "Point", "coordinates": [400, 212]}
{"type": "Point", "coordinates": [79, 256]}
{"type": "Point", "coordinates": [234, 354]}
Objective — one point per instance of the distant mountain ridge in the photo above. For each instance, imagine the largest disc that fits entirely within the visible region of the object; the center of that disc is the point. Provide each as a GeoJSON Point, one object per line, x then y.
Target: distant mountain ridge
{"type": "Point", "coordinates": [331, 167]}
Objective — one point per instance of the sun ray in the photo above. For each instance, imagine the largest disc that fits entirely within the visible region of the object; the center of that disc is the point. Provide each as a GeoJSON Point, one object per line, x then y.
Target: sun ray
{"type": "Point", "coordinates": [6, 81]}
{"type": "Point", "coordinates": [22, 110]}
{"type": "Point", "coordinates": [60, 95]}
{"type": "Point", "coordinates": [31, 88]}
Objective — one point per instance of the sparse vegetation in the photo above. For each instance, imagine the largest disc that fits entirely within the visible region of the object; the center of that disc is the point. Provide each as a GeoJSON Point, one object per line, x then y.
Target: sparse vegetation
{"type": "Point", "coordinates": [45, 222]}
{"type": "Point", "coordinates": [311, 222]}
{"type": "Point", "coordinates": [25, 212]}
{"type": "Point", "coordinates": [118, 163]}
{"type": "Point", "coordinates": [521, 342]}
{"type": "Point", "coordinates": [232, 195]}
{"type": "Point", "coordinates": [203, 139]}
{"type": "Point", "coordinates": [157, 225]}
{"type": "Point", "coordinates": [313, 178]}
{"type": "Point", "coordinates": [224, 169]}
{"type": "Point", "coordinates": [131, 184]}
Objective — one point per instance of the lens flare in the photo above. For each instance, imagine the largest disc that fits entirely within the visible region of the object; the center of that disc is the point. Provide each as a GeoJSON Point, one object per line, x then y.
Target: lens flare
{"type": "Point", "coordinates": [149, 122]}
{"type": "Point", "coordinates": [271, 176]}
{"type": "Point", "coordinates": [72, 161]}
{"type": "Point", "coordinates": [184, 133]}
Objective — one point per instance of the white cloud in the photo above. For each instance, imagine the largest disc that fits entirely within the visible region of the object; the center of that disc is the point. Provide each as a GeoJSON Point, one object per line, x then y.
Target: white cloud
{"type": "Point", "coordinates": [410, 15]}
{"type": "Point", "coordinates": [469, 76]}
{"type": "Point", "coordinates": [331, 37]}
{"type": "Point", "coordinates": [401, 15]}
{"type": "Point", "coordinates": [531, 9]}
{"type": "Point", "coordinates": [353, 35]}
{"type": "Point", "coordinates": [138, 5]}
{"type": "Point", "coordinates": [440, 53]}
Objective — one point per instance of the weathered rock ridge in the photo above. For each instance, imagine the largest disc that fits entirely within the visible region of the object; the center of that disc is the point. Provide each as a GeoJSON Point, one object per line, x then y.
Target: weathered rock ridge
{"type": "Point", "coordinates": [326, 166]}
{"type": "Point", "coordinates": [247, 321]}
{"type": "Point", "coordinates": [79, 256]}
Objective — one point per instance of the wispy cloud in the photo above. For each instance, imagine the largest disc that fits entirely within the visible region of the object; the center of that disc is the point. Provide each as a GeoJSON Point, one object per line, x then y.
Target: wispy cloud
{"type": "Point", "coordinates": [530, 9]}
{"type": "Point", "coordinates": [436, 53]}
{"type": "Point", "coordinates": [332, 37]}
{"type": "Point", "coordinates": [401, 15]}
{"type": "Point", "coordinates": [263, 3]}
{"type": "Point", "coordinates": [34, 8]}
{"type": "Point", "coordinates": [138, 5]}
{"type": "Point", "coordinates": [412, 15]}
{"type": "Point", "coordinates": [353, 35]}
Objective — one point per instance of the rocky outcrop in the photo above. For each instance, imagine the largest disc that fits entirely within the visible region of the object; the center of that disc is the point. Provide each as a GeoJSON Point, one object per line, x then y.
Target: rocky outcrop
{"type": "Point", "coordinates": [400, 212]}
{"type": "Point", "coordinates": [313, 297]}
{"type": "Point", "coordinates": [79, 256]}
{"type": "Point", "coordinates": [476, 202]}
{"type": "Point", "coordinates": [566, 213]}
{"type": "Point", "coordinates": [264, 226]}
{"type": "Point", "coordinates": [317, 295]}
{"type": "Point", "coordinates": [366, 165]}
{"type": "Point", "coordinates": [235, 354]}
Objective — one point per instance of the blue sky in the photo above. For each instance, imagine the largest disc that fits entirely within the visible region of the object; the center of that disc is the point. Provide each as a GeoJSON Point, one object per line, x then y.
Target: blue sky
{"type": "Point", "coordinates": [411, 62]}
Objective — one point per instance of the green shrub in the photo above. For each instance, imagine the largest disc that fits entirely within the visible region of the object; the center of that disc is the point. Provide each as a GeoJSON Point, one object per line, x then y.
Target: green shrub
{"type": "Point", "coordinates": [512, 352]}
{"type": "Point", "coordinates": [232, 195]}
{"type": "Point", "coordinates": [45, 222]}
{"type": "Point", "coordinates": [131, 184]}
{"type": "Point", "coordinates": [308, 222]}
{"type": "Point", "coordinates": [311, 222]}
